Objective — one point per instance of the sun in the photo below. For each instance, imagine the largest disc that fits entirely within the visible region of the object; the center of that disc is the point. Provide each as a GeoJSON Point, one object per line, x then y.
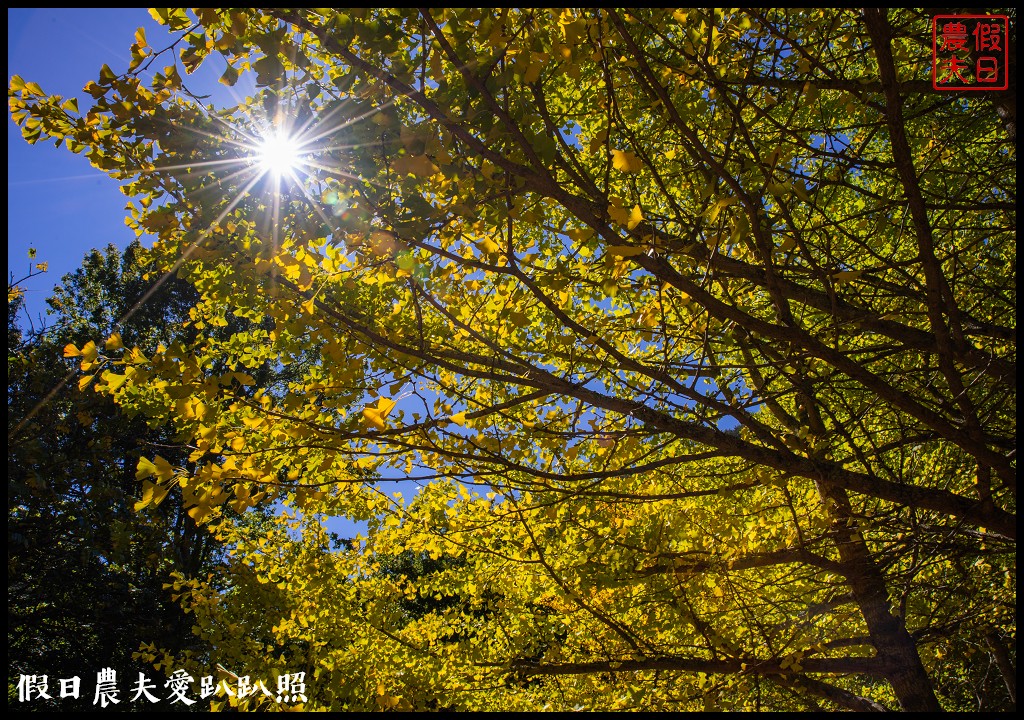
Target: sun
{"type": "Point", "coordinates": [279, 154]}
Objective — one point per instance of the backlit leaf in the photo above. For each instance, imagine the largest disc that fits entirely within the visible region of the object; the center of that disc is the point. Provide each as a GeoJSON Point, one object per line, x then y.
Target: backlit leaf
{"type": "Point", "coordinates": [626, 161]}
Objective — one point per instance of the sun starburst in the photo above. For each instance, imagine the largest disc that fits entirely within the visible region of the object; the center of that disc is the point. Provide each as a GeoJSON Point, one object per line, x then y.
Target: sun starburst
{"type": "Point", "coordinates": [279, 154]}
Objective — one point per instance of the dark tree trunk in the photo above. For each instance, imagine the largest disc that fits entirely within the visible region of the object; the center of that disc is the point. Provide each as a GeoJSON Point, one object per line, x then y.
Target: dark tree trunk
{"type": "Point", "coordinates": [893, 644]}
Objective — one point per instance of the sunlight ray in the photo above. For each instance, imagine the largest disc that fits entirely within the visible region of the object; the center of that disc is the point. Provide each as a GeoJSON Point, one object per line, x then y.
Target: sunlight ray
{"type": "Point", "coordinates": [248, 144]}
{"type": "Point", "coordinates": [142, 300]}
{"type": "Point", "coordinates": [203, 163]}
{"type": "Point", "coordinates": [347, 121]}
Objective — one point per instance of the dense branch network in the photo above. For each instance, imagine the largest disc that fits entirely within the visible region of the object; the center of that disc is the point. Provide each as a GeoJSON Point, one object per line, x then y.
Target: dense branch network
{"type": "Point", "coordinates": [692, 327]}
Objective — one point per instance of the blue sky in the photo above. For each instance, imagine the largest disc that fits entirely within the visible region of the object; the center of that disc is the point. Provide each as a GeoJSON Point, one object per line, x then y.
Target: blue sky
{"type": "Point", "coordinates": [57, 202]}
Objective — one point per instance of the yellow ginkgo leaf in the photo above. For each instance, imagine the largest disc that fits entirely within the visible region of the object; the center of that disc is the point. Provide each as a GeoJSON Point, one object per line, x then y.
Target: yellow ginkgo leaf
{"type": "Point", "coordinates": [846, 276]}
{"type": "Point", "coordinates": [532, 73]}
{"type": "Point", "coordinates": [144, 469]}
{"type": "Point", "coordinates": [635, 217]}
{"type": "Point", "coordinates": [459, 418]}
{"type": "Point", "coordinates": [626, 161]}
{"type": "Point", "coordinates": [152, 494]}
{"type": "Point", "coordinates": [719, 206]}
{"type": "Point", "coordinates": [618, 213]}
{"type": "Point", "coordinates": [375, 416]}
{"type": "Point", "coordinates": [147, 495]}
{"type": "Point", "coordinates": [200, 512]}
{"type": "Point", "coordinates": [164, 470]}
{"type": "Point", "coordinates": [159, 493]}
{"type": "Point", "coordinates": [418, 165]}
{"type": "Point", "coordinates": [158, 466]}
{"type": "Point", "coordinates": [519, 319]}
{"type": "Point", "coordinates": [113, 380]}
{"type": "Point", "coordinates": [800, 190]}
{"type": "Point", "coordinates": [489, 246]}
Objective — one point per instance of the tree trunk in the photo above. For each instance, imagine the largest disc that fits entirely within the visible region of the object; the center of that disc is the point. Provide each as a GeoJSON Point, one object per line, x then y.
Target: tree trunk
{"type": "Point", "coordinates": [895, 648]}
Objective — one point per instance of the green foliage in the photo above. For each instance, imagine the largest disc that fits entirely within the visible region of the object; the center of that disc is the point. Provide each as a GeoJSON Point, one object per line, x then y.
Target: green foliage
{"type": "Point", "coordinates": [695, 330]}
{"type": "Point", "coordinates": [85, 572]}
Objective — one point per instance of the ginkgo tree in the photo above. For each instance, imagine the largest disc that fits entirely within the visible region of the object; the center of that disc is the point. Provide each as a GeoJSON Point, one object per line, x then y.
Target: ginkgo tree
{"type": "Point", "coordinates": [677, 348]}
